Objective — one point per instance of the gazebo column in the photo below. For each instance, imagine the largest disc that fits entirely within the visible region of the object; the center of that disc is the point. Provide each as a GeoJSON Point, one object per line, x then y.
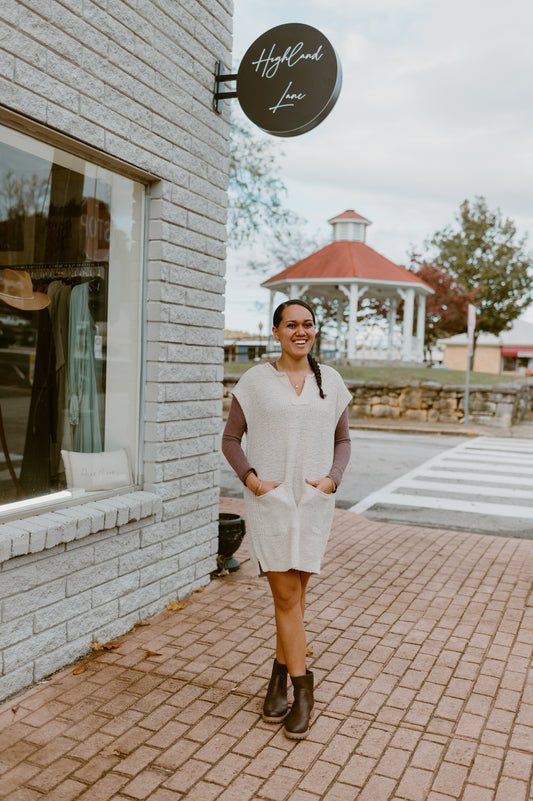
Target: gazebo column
{"type": "Point", "coordinates": [421, 326]}
{"type": "Point", "coordinates": [393, 305]}
{"type": "Point", "coordinates": [408, 317]}
{"type": "Point", "coordinates": [297, 290]}
{"type": "Point", "coordinates": [352, 293]}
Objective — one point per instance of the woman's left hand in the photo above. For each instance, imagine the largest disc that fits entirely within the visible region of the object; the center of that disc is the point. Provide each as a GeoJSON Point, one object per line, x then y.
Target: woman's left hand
{"type": "Point", "coordinates": [324, 485]}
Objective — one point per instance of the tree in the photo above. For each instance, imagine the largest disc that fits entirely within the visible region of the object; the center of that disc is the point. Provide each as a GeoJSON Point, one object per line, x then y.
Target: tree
{"type": "Point", "coordinates": [447, 308]}
{"type": "Point", "coordinates": [256, 191]}
{"type": "Point", "coordinates": [485, 255]}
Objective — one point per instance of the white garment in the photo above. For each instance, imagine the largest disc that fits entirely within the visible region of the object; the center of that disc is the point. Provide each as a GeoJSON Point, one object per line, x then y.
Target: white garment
{"type": "Point", "coordinates": [289, 438]}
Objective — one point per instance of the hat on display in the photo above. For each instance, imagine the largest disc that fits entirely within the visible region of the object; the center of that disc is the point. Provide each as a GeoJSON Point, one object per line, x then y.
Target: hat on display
{"type": "Point", "coordinates": [16, 289]}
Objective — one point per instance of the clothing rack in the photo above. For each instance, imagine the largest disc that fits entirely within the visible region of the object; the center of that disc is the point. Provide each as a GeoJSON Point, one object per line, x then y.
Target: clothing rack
{"type": "Point", "coordinates": [82, 269]}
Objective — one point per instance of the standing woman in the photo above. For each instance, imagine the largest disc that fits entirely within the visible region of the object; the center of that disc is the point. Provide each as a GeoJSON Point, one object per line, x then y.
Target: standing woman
{"type": "Point", "coordinates": [294, 413]}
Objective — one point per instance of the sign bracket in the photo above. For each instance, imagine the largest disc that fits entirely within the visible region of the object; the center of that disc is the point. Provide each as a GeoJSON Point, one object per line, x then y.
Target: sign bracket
{"type": "Point", "coordinates": [220, 77]}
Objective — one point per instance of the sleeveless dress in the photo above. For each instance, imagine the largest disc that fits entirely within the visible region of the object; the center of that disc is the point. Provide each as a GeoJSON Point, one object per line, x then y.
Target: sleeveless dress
{"type": "Point", "coordinates": [289, 438]}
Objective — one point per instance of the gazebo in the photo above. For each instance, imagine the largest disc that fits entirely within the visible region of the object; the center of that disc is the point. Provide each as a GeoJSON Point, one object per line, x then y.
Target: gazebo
{"type": "Point", "coordinates": [347, 269]}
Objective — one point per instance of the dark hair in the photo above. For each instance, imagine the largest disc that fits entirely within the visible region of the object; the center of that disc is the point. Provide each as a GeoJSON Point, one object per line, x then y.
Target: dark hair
{"type": "Point", "coordinates": [276, 320]}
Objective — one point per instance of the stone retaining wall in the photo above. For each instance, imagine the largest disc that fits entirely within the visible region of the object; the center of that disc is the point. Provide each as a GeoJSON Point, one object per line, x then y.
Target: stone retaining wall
{"type": "Point", "coordinates": [502, 405]}
{"type": "Point", "coordinates": [429, 401]}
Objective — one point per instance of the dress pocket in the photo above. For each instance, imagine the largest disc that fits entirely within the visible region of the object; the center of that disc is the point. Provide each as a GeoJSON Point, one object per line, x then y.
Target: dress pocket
{"type": "Point", "coordinates": [273, 513]}
{"type": "Point", "coordinates": [316, 510]}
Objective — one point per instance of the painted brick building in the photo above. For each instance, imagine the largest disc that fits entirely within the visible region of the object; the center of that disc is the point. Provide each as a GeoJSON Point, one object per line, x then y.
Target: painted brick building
{"type": "Point", "coordinates": [113, 176]}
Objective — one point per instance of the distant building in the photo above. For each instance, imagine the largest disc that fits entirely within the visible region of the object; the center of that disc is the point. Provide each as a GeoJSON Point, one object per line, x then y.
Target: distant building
{"type": "Point", "coordinates": [241, 349]}
{"type": "Point", "coordinates": [509, 352]}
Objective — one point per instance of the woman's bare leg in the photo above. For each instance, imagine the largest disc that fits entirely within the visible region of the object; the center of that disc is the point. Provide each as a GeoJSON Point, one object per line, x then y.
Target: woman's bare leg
{"type": "Point", "coordinates": [288, 591]}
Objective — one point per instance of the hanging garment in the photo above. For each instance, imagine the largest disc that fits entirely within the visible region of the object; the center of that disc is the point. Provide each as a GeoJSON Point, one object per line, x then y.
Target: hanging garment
{"type": "Point", "coordinates": [35, 473]}
{"type": "Point", "coordinates": [59, 313]}
{"type": "Point", "coordinates": [84, 415]}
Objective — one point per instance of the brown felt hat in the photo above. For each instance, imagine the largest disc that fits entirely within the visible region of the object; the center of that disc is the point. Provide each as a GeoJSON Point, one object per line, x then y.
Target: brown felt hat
{"type": "Point", "coordinates": [16, 289]}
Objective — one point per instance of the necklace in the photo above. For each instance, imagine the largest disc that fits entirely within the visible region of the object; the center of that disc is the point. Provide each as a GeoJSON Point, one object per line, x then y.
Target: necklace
{"type": "Point", "coordinates": [288, 374]}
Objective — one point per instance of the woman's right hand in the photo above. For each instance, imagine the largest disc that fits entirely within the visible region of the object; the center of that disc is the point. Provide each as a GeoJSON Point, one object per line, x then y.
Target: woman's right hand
{"type": "Point", "coordinates": [267, 486]}
{"type": "Point", "coordinates": [260, 487]}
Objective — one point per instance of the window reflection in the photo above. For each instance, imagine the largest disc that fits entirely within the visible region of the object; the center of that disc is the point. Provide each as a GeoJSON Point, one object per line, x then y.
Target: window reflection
{"type": "Point", "coordinates": [55, 229]}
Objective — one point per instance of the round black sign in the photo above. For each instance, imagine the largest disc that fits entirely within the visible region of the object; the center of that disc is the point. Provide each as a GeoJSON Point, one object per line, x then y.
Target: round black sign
{"type": "Point", "coordinates": [289, 80]}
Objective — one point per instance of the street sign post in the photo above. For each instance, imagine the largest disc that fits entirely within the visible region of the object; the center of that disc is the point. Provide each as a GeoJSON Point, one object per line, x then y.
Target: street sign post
{"type": "Point", "coordinates": [469, 353]}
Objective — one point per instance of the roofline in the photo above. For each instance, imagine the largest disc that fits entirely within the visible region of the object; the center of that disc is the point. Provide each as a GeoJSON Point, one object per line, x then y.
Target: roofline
{"type": "Point", "coordinates": [358, 218]}
{"type": "Point", "coordinates": [420, 285]}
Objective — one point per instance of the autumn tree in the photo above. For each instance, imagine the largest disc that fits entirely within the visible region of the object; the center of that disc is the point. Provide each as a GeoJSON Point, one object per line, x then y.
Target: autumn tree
{"type": "Point", "coordinates": [484, 254]}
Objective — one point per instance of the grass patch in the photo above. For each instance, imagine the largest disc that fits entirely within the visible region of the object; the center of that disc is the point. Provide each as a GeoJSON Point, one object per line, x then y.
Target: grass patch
{"type": "Point", "coordinates": [389, 375]}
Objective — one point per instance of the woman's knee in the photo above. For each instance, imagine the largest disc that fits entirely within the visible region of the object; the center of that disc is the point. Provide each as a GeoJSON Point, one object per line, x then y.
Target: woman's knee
{"type": "Point", "coordinates": [286, 591]}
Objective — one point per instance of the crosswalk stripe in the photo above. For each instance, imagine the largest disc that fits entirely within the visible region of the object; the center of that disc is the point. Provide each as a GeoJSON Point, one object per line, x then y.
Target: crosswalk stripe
{"type": "Point", "coordinates": [457, 505]}
{"type": "Point", "coordinates": [486, 477]}
{"type": "Point", "coordinates": [489, 468]}
{"type": "Point", "coordinates": [468, 489]}
{"type": "Point", "coordinates": [495, 458]}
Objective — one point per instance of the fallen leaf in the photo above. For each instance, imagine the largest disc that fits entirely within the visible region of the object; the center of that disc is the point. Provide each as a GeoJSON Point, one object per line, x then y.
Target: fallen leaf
{"type": "Point", "coordinates": [309, 651]}
{"type": "Point", "coordinates": [113, 752]}
{"type": "Point", "coordinates": [149, 652]}
{"type": "Point", "coordinates": [79, 669]}
{"type": "Point", "coordinates": [173, 606]}
{"type": "Point", "coordinates": [110, 645]}
{"type": "Point", "coordinates": [140, 623]}
{"type": "Point", "coordinates": [97, 646]}
{"type": "Point", "coordinates": [200, 589]}
{"type": "Point", "coordinates": [15, 709]}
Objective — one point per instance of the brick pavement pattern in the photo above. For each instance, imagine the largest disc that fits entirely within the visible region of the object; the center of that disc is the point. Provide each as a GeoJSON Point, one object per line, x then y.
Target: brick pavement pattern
{"type": "Point", "coordinates": [421, 645]}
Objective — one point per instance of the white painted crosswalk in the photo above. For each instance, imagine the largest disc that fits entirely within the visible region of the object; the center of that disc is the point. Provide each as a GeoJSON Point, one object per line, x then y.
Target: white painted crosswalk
{"type": "Point", "coordinates": [486, 476]}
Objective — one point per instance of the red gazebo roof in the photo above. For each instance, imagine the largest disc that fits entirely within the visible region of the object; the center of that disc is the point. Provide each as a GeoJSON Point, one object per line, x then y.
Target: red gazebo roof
{"type": "Point", "coordinates": [342, 260]}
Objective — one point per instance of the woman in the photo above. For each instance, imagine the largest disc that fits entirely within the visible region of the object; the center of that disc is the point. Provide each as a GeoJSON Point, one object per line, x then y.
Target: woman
{"type": "Point", "coordinates": [294, 413]}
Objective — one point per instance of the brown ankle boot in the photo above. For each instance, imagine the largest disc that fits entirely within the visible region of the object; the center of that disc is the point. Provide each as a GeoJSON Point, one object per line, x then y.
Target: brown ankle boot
{"type": "Point", "coordinates": [275, 707]}
{"type": "Point", "coordinates": [298, 719]}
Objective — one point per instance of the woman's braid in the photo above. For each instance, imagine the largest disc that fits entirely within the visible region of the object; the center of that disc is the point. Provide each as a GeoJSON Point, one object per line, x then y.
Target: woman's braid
{"type": "Point", "coordinates": [315, 367]}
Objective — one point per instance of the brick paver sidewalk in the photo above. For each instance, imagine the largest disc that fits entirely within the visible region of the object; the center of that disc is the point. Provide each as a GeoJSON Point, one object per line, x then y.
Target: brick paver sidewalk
{"type": "Point", "coordinates": [421, 647]}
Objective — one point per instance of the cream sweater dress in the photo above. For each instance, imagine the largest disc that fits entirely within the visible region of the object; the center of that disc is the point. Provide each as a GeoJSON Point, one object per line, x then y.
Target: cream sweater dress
{"type": "Point", "coordinates": [289, 438]}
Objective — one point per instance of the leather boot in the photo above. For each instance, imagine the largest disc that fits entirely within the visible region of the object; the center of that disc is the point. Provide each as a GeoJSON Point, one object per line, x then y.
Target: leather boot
{"type": "Point", "coordinates": [297, 722]}
{"type": "Point", "coordinates": [275, 707]}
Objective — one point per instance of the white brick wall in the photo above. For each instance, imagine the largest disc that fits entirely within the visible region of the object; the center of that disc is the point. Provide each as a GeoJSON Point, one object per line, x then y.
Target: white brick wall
{"type": "Point", "coordinates": [135, 80]}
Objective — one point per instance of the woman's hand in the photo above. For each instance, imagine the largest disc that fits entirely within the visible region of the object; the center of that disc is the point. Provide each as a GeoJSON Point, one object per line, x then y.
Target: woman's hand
{"type": "Point", "coordinates": [325, 485]}
{"type": "Point", "coordinates": [259, 487]}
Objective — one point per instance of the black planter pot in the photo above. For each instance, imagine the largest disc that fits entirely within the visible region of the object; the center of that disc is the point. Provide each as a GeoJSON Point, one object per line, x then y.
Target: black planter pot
{"type": "Point", "coordinates": [231, 530]}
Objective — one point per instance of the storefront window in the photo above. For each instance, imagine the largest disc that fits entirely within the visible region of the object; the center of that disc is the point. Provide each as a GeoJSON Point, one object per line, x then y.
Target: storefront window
{"type": "Point", "coordinates": [70, 322]}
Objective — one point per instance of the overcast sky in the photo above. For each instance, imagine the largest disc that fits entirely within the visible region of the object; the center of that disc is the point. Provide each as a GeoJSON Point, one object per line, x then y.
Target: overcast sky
{"type": "Point", "coordinates": [436, 106]}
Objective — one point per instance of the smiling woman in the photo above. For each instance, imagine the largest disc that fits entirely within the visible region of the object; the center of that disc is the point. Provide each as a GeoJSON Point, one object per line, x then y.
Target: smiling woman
{"type": "Point", "coordinates": [297, 446]}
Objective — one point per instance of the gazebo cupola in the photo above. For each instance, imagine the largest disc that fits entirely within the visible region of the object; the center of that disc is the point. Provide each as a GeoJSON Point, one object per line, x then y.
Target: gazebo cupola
{"type": "Point", "coordinates": [349, 227]}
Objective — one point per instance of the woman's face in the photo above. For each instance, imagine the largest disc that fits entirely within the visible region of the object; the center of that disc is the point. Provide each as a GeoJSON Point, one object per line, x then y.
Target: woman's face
{"type": "Point", "coordinates": [296, 331]}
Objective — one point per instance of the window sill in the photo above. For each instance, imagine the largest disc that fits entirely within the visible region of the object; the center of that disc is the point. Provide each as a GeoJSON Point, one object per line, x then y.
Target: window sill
{"type": "Point", "coordinates": [42, 531]}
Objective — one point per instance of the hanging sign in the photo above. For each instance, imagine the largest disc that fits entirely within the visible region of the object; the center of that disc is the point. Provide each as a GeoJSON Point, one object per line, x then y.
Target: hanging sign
{"type": "Point", "coordinates": [289, 80]}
